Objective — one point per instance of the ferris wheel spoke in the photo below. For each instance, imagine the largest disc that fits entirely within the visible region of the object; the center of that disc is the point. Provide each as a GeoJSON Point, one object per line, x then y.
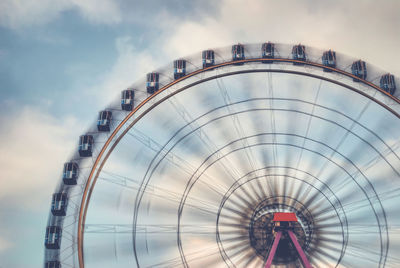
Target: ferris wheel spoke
{"type": "Point", "coordinates": [173, 158]}
{"type": "Point", "coordinates": [244, 202]}
{"type": "Point", "coordinates": [153, 229]}
{"type": "Point", "coordinates": [192, 182]}
{"type": "Point", "coordinates": [209, 259]}
{"type": "Point", "coordinates": [163, 194]}
{"type": "Point", "coordinates": [364, 202]}
{"type": "Point", "coordinates": [156, 147]}
{"type": "Point", "coordinates": [324, 250]}
{"type": "Point", "coordinates": [152, 189]}
{"type": "Point", "coordinates": [322, 238]}
{"type": "Point", "coordinates": [320, 257]}
{"type": "Point", "coordinates": [376, 160]}
{"type": "Point", "coordinates": [345, 136]}
{"type": "Point", "coordinates": [233, 225]}
{"type": "Point", "coordinates": [348, 131]}
{"type": "Point", "coordinates": [270, 94]}
{"type": "Point", "coordinates": [235, 239]}
{"type": "Point", "coordinates": [310, 117]}
{"type": "Point", "coordinates": [199, 132]}
{"type": "Point", "coordinates": [368, 198]}
{"type": "Point", "coordinates": [339, 187]}
{"type": "Point", "coordinates": [224, 218]}
{"type": "Point", "coordinates": [247, 259]}
{"type": "Point", "coordinates": [253, 261]}
{"type": "Point", "coordinates": [209, 252]}
{"type": "Point", "coordinates": [363, 252]}
{"type": "Point", "coordinates": [236, 212]}
{"type": "Point", "coordinates": [238, 128]}
{"type": "Point", "coordinates": [236, 249]}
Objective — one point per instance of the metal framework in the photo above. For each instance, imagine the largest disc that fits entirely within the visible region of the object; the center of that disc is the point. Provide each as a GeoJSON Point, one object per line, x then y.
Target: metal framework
{"type": "Point", "coordinates": [123, 124]}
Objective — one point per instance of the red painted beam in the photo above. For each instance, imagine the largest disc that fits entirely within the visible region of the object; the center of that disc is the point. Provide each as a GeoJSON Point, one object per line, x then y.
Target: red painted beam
{"type": "Point", "coordinates": [303, 256]}
{"type": "Point", "coordinates": [285, 216]}
{"type": "Point", "coordinates": [273, 250]}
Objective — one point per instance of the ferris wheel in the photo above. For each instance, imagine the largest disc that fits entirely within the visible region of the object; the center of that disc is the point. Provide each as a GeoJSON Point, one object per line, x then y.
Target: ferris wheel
{"type": "Point", "coordinates": [254, 155]}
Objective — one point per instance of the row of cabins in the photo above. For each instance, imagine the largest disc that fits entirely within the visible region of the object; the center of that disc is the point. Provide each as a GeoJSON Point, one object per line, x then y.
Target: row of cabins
{"type": "Point", "coordinates": [268, 53]}
{"type": "Point", "coordinates": [85, 149]}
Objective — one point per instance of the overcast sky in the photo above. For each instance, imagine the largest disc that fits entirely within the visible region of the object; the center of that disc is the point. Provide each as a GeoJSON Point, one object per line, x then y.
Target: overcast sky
{"type": "Point", "coordinates": [61, 62]}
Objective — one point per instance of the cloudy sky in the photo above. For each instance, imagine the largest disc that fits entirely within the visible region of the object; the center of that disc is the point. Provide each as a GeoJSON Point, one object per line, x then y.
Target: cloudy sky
{"type": "Point", "coordinates": [61, 62]}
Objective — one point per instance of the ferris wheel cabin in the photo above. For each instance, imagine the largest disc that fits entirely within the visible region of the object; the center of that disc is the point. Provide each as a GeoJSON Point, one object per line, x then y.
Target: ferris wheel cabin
{"type": "Point", "coordinates": [52, 264]}
{"type": "Point", "coordinates": [86, 145]}
{"type": "Point", "coordinates": [104, 121]}
{"type": "Point", "coordinates": [59, 204]}
{"type": "Point", "coordinates": [70, 173]}
{"type": "Point", "coordinates": [127, 97]}
{"type": "Point", "coordinates": [208, 58]}
{"type": "Point", "coordinates": [359, 69]}
{"type": "Point", "coordinates": [299, 53]}
{"type": "Point", "coordinates": [329, 59]}
{"type": "Point", "coordinates": [153, 80]}
{"type": "Point", "coordinates": [53, 237]}
{"type": "Point", "coordinates": [238, 53]}
{"type": "Point", "coordinates": [268, 52]}
{"type": "Point", "coordinates": [179, 69]}
{"type": "Point", "coordinates": [388, 84]}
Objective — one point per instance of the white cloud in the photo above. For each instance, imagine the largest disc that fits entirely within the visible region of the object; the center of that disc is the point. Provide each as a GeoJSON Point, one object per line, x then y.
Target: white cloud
{"type": "Point", "coordinates": [35, 144]}
{"type": "Point", "coordinates": [16, 14]}
{"type": "Point", "coordinates": [98, 11]}
{"type": "Point", "coordinates": [131, 65]}
{"type": "Point", "coordinates": [5, 244]}
{"type": "Point", "coordinates": [33, 147]}
{"type": "Point", "coordinates": [367, 30]}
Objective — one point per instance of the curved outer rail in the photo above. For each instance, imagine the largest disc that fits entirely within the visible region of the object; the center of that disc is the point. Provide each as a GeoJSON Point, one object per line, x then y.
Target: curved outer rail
{"type": "Point", "coordinates": [91, 180]}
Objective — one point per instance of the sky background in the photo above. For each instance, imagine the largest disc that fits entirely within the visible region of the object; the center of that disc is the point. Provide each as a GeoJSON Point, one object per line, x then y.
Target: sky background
{"type": "Point", "coordinates": [63, 61]}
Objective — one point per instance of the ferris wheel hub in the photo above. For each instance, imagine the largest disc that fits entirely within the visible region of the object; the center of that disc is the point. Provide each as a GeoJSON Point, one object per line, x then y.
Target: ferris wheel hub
{"type": "Point", "coordinates": [284, 224]}
{"type": "Point", "coordinates": [263, 228]}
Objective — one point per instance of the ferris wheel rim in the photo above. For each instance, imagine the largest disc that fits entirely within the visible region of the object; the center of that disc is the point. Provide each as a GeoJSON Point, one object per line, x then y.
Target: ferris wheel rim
{"type": "Point", "coordinates": [89, 186]}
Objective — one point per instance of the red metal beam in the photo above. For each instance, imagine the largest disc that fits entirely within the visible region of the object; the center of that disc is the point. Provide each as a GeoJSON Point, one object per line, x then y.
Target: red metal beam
{"type": "Point", "coordinates": [285, 216]}
{"type": "Point", "coordinates": [303, 256]}
{"type": "Point", "coordinates": [273, 249]}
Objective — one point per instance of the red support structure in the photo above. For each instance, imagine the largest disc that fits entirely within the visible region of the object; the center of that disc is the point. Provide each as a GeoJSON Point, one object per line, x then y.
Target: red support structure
{"type": "Point", "coordinates": [284, 216]}
{"type": "Point", "coordinates": [303, 256]}
{"type": "Point", "coordinates": [281, 217]}
{"type": "Point", "coordinates": [273, 249]}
